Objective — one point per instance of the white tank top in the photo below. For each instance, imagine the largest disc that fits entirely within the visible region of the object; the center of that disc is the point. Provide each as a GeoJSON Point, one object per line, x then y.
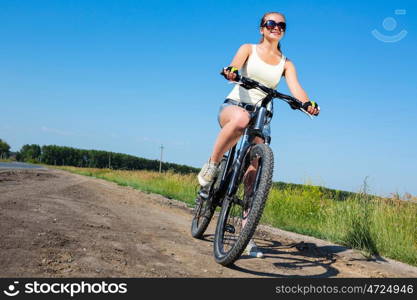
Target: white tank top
{"type": "Point", "coordinates": [255, 68]}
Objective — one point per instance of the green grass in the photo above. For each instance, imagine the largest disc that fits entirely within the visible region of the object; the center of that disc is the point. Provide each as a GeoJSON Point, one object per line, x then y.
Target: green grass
{"type": "Point", "coordinates": [383, 226]}
{"type": "Point", "coordinates": [374, 225]}
{"type": "Point", "coordinates": [169, 184]}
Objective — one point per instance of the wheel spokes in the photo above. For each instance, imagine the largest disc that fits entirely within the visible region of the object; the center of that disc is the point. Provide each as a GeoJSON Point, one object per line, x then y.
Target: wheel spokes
{"type": "Point", "coordinates": [240, 206]}
{"type": "Point", "coordinates": [233, 226]}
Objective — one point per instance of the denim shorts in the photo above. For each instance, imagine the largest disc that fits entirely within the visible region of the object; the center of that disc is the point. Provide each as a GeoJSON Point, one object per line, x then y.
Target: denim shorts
{"type": "Point", "coordinates": [266, 131]}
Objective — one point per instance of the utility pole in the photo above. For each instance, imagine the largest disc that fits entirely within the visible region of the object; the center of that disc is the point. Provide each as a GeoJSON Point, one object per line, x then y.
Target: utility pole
{"type": "Point", "coordinates": [160, 161]}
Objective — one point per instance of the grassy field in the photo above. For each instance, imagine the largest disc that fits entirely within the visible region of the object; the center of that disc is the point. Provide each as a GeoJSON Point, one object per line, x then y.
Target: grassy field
{"type": "Point", "coordinates": [383, 226]}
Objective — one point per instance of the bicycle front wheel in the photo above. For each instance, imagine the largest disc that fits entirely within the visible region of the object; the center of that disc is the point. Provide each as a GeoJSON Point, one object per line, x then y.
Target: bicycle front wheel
{"type": "Point", "coordinates": [240, 214]}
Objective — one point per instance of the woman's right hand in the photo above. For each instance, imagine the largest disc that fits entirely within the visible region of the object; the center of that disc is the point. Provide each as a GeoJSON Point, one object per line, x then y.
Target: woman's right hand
{"type": "Point", "coordinates": [230, 73]}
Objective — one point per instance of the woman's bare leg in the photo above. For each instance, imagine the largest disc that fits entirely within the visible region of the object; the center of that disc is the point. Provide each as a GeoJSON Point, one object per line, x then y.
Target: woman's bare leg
{"type": "Point", "coordinates": [249, 177]}
{"type": "Point", "coordinates": [233, 120]}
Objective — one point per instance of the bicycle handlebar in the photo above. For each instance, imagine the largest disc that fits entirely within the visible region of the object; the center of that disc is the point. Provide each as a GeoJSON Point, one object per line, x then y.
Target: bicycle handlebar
{"type": "Point", "coordinates": [251, 84]}
{"type": "Point", "coordinates": [248, 83]}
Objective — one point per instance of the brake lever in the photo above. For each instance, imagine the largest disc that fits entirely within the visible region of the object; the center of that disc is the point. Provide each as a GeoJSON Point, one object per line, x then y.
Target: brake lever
{"type": "Point", "coordinates": [304, 111]}
{"type": "Point", "coordinates": [307, 113]}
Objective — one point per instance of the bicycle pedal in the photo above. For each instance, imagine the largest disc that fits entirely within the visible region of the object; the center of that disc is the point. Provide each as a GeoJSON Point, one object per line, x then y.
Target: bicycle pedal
{"type": "Point", "coordinates": [203, 194]}
{"type": "Point", "coordinates": [229, 228]}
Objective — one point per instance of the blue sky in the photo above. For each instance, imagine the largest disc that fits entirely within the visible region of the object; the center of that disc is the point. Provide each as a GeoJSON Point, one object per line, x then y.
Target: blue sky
{"type": "Point", "coordinates": [128, 76]}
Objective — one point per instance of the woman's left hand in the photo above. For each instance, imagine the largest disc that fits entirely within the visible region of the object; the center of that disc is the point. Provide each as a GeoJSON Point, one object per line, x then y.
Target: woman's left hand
{"type": "Point", "coordinates": [313, 111]}
{"type": "Point", "coordinates": [312, 108]}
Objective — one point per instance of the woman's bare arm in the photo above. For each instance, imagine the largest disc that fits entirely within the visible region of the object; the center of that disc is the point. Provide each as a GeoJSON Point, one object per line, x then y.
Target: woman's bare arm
{"type": "Point", "coordinates": [239, 60]}
{"type": "Point", "coordinates": [295, 87]}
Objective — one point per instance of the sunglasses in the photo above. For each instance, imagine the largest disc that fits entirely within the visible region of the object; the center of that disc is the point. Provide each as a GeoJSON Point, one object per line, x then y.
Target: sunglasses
{"type": "Point", "coordinates": [271, 24]}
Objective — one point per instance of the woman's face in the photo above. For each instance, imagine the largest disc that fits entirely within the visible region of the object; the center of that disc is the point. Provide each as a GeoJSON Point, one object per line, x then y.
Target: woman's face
{"type": "Point", "coordinates": [276, 33]}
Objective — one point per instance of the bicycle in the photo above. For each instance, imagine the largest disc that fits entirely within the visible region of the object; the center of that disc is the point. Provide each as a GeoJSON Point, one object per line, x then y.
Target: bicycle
{"type": "Point", "coordinates": [239, 191]}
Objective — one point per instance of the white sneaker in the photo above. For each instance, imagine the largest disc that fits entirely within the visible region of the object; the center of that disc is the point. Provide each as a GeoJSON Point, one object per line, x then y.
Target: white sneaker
{"type": "Point", "coordinates": [252, 250]}
{"type": "Point", "coordinates": [208, 173]}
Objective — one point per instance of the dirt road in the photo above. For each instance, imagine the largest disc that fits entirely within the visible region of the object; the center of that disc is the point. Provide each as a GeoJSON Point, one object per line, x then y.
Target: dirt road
{"type": "Point", "coordinates": [57, 224]}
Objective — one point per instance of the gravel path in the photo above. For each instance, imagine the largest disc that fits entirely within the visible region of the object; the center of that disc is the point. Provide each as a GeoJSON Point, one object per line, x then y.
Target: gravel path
{"type": "Point", "coordinates": [58, 224]}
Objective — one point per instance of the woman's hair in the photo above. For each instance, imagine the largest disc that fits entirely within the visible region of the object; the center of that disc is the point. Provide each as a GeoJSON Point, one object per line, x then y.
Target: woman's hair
{"type": "Point", "coordinates": [263, 21]}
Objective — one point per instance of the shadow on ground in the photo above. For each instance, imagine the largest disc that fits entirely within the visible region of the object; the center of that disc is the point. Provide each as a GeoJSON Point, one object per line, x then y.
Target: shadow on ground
{"type": "Point", "coordinates": [302, 258]}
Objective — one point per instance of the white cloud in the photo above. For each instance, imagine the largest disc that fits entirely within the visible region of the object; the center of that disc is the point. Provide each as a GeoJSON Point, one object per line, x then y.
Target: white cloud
{"type": "Point", "coordinates": [56, 131]}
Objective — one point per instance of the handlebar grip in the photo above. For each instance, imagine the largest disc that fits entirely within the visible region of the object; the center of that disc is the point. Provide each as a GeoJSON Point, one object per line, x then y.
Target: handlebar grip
{"type": "Point", "coordinates": [314, 104]}
{"type": "Point", "coordinates": [237, 78]}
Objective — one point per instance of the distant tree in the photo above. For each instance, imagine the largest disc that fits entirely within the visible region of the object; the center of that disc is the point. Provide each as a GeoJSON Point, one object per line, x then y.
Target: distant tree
{"type": "Point", "coordinates": [13, 155]}
{"type": "Point", "coordinates": [31, 153]}
{"type": "Point", "coordinates": [61, 155]}
{"type": "Point", "coordinates": [4, 149]}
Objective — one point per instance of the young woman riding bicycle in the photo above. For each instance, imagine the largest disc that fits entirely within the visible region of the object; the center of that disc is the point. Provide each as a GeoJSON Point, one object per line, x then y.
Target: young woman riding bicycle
{"type": "Point", "coordinates": [265, 63]}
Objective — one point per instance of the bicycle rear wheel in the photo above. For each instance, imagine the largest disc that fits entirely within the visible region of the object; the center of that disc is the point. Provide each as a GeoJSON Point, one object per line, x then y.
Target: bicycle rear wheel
{"type": "Point", "coordinates": [240, 215]}
{"type": "Point", "coordinates": [205, 206]}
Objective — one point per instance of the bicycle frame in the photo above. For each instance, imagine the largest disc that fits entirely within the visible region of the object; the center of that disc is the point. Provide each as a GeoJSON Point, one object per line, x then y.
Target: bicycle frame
{"type": "Point", "coordinates": [238, 163]}
{"type": "Point", "coordinates": [235, 161]}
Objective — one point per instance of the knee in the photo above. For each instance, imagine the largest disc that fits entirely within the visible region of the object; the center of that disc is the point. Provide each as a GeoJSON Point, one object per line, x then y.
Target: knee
{"type": "Point", "coordinates": [240, 123]}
